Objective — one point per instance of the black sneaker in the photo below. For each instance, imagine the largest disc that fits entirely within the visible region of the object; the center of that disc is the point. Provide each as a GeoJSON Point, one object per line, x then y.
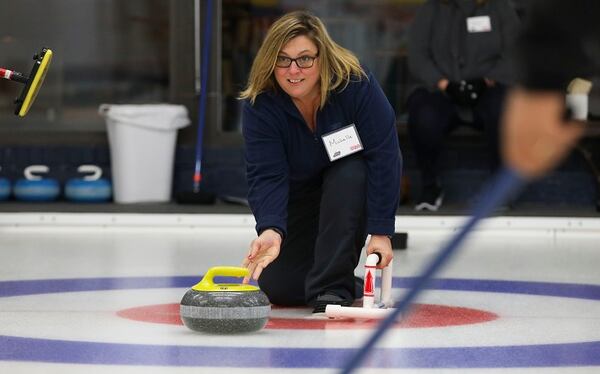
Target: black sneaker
{"type": "Point", "coordinates": [359, 287]}
{"type": "Point", "coordinates": [431, 198]}
{"type": "Point", "coordinates": [329, 298]}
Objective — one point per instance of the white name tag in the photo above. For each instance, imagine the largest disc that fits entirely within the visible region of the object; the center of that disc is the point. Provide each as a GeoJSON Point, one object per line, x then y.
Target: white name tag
{"type": "Point", "coordinates": [342, 142]}
{"type": "Point", "coordinates": [479, 24]}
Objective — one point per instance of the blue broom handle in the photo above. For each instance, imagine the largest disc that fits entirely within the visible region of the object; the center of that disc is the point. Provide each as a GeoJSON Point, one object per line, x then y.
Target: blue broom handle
{"type": "Point", "coordinates": [202, 102]}
{"type": "Point", "coordinates": [503, 186]}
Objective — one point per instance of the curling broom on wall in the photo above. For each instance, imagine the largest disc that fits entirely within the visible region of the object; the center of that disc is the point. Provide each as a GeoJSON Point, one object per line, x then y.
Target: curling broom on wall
{"type": "Point", "coordinates": [32, 83]}
{"type": "Point", "coordinates": [197, 196]}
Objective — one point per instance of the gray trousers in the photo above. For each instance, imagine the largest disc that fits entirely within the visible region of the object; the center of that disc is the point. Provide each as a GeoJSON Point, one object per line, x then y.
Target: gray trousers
{"type": "Point", "coordinates": [326, 231]}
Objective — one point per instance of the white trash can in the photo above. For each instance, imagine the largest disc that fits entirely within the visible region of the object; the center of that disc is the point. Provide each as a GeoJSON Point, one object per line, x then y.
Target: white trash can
{"type": "Point", "coordinates": [142, 142]}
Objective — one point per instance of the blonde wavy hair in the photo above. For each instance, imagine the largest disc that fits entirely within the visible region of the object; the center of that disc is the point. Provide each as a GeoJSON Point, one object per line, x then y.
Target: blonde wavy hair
{"type": "Point", "coordinates": [337, 64]}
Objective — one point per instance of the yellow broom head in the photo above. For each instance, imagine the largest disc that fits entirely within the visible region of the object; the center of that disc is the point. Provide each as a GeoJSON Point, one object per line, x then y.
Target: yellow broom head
{"type": "Point", "coordinates": [36, 78]}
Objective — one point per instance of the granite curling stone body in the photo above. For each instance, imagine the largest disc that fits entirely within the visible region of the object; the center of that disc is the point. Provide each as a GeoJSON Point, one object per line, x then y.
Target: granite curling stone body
{"type": "Point", "coordinates": [224, 308]}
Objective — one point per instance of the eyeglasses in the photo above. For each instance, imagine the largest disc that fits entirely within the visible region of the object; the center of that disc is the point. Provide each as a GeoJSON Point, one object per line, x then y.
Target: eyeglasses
{"type": "Point", "coordinates": [303, 62]}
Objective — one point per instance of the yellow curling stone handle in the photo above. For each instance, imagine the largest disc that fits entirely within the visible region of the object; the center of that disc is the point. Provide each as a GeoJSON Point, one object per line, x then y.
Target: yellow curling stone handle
{"type": "Point", "coordinates": [207, 284]}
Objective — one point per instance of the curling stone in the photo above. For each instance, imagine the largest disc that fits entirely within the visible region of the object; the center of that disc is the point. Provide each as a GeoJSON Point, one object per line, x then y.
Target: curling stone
{"type": "Point", "coordinates": [90, 188]}
{"type": "Point", "coordinates": [224, 308]}
{"type": "Point", "coordinates": [34, 188]}
{"type": "Point", "coordinates": [4, 188]}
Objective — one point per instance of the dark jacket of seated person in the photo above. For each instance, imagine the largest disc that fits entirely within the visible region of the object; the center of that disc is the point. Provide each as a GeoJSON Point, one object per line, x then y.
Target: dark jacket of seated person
{"type": "Point", "coordinates": [459, 55]}
{"type": "Point", "coordinates": [462, 40]}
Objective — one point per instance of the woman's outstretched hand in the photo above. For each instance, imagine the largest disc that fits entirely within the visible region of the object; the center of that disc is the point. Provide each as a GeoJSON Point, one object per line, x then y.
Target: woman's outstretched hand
{"type": "Point", "coordinates": [263, 251]}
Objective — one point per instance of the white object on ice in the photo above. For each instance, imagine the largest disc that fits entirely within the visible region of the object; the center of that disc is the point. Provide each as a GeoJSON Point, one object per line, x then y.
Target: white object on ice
{"type": "Point", "coordinates": [370, 309]}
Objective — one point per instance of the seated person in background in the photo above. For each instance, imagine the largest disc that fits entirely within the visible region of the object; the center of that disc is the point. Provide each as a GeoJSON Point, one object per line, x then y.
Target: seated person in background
{"type": "Point", "coordinates": [458, 53]}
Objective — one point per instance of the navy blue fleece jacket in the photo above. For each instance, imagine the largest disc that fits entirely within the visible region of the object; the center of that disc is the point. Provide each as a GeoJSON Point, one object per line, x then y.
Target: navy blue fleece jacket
{"type": "Point", "coordinates": [284, 158]}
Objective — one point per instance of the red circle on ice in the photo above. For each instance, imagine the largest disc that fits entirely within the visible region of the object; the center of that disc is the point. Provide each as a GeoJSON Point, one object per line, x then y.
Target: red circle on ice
{"type": "Point", "coordinates": [421, 316]}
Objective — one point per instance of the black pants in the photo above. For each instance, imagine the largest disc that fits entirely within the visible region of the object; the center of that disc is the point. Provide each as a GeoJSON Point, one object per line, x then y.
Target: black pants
{"type": "Point", "coordinates": [432, 116]}
{"type": "Point", "coordinates": [326, 231]}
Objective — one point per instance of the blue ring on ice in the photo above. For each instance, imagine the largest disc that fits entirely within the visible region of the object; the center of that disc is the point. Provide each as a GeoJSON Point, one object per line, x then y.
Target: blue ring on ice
{"type": "Point", "coordinates": [15, 348]}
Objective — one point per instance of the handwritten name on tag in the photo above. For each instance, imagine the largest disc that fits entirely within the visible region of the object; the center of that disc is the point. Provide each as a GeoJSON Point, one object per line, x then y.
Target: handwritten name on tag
{"type": "Point", "coordinates": [342, 142]}
{"type": "Point", "coordinates": [479, 24]}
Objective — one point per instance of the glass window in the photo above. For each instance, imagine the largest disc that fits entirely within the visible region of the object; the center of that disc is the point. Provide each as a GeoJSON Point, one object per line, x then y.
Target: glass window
{"type": "Point", "coordinates": [105, 51]}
